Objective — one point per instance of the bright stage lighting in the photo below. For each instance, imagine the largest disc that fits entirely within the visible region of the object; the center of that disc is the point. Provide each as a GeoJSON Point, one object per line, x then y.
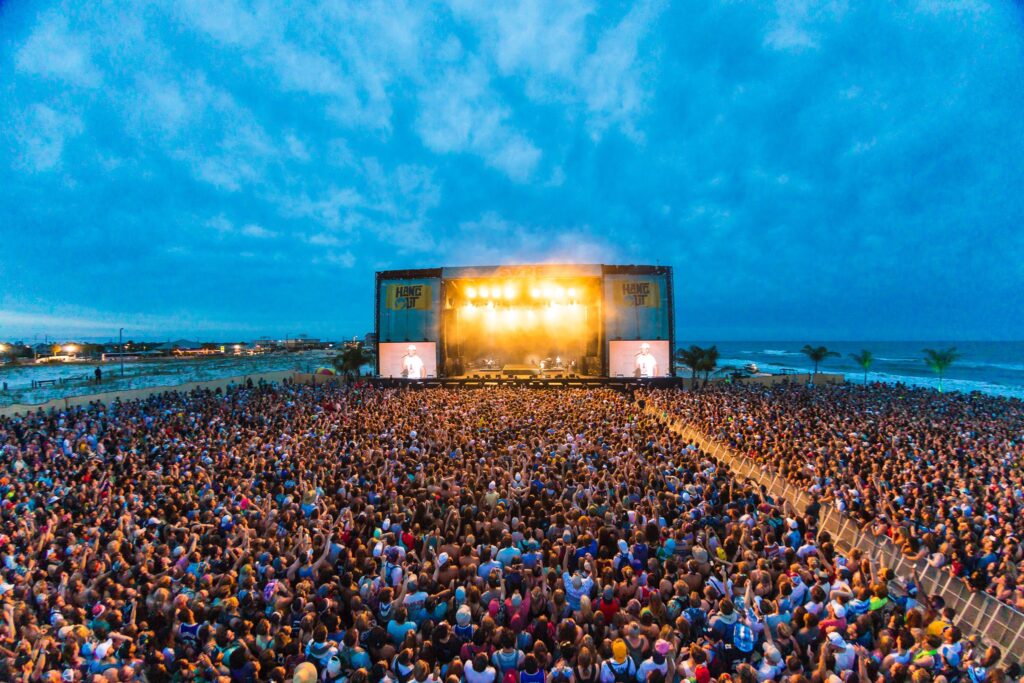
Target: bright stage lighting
{"type": "Point", "coordinates": [470, 292]}
{"type": "Point", "coordinates": [535, 293]}
{"type": "Point", "coordinates": [485, 291]}
{"type": "Point", "coordinates": [509, 292]}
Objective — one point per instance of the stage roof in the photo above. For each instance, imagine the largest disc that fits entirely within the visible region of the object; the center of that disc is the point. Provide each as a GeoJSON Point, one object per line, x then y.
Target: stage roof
{"type": "Point", "coordinates": [523, 270]}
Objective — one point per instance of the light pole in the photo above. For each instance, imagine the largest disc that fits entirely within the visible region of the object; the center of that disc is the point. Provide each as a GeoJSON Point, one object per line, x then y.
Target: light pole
{"type": "Point", "coordinates": [120, 339]}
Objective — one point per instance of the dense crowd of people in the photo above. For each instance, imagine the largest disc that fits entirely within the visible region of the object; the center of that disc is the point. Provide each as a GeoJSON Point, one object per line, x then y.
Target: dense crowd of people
{"type": "Point", "coordinates": [939, 474]}
{"type": "Point", "coordinates": [371, 535]}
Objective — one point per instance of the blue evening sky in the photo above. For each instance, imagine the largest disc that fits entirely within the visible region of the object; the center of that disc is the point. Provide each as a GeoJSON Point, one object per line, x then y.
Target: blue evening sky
{"type": "Point", "coordinates": [812, 170]}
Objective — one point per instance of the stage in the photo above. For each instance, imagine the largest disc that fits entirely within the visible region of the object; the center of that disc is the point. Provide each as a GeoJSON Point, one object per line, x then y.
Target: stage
{"type": "Point", "coordinates": [548, 323]}
{"type": "Point", "coordinates": [497, 380]}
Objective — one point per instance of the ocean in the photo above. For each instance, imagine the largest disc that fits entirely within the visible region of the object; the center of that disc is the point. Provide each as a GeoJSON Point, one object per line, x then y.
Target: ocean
{"type": "Point", "coordinates": [991, 367]}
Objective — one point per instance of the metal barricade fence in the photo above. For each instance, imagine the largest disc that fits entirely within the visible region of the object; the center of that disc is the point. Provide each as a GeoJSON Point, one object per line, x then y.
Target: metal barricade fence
{"type": "Point", "coordinates": [995, 621]}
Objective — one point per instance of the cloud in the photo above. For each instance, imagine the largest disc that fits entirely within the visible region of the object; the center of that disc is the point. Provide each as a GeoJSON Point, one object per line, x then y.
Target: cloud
{"type": "Point", "coordinates": [54, 52]}
{"type": "Point", "coordinates": [24, 324]}
{"type": "Point", "coordinates": [613, 78]}
{"type": "Point", "coordinates": [564, 56]}
{"type": "Point", "coordinates": [43, 134]}
{"type": "Point", "coordinates": [460, 113]}
{"type": "Point", "coordinates": [492, 239]}
{"type": "Point", "coordinates": [257, 231]}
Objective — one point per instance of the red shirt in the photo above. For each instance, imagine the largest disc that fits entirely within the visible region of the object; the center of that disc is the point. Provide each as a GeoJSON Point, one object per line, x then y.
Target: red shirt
{"type": "Point", "coordinates": [608, 609]}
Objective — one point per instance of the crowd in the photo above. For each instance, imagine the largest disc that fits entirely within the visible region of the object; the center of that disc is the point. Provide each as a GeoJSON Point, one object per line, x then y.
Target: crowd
{"type": "Point", "coordinates": [938, 474]}
{"type": "Point", "coordinates": [369, 535]}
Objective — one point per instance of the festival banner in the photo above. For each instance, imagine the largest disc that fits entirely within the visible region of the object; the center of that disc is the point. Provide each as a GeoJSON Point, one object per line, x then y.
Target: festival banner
{"type": "Point", "coordinates": [636, 293]}
{"type": "Point", "coordinates": [410, 297]}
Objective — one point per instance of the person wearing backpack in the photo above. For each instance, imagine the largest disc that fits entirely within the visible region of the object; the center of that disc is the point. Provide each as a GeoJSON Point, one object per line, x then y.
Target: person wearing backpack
{"type": "Point", "coordinates": [657, 662]}
{"type": "Point", "coordinates": [620, 668]}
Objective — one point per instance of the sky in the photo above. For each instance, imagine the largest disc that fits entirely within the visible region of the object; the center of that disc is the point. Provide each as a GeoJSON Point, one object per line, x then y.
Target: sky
{"type": "Point", "coordinates": [812, 170]}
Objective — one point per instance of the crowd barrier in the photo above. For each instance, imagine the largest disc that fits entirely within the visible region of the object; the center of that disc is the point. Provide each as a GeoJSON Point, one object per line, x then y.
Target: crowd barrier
{"type": "Point", "coordinates": [977, 612]}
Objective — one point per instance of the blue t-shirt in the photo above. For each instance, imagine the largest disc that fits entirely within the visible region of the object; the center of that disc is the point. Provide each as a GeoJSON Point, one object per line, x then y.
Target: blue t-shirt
{"type": "Point", "coordinates": [397, 631]}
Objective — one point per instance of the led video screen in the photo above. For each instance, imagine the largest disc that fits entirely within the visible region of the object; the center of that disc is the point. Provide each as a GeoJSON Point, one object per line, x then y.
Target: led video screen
{"type": "Point", "coordinates": [410, 360]}
{"type": "Point", "coordinates": [638, 358]}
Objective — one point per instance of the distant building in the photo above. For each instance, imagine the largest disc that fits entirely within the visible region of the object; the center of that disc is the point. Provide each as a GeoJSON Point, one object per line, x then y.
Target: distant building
{"type": "Point", "coordinates": [302, 342]}
{"type": "Point", "coordinates": [185, 347]}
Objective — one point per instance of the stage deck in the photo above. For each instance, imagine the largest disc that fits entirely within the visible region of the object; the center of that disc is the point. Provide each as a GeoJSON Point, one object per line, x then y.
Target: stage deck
{"type": "Point", "coordinates": [496, 380]}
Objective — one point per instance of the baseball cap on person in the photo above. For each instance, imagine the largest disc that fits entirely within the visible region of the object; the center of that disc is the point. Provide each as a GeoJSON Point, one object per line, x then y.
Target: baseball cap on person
{"type": "Point", "coordinates": [103, 649]}
{"type": "Point", "coordinates": [743, 637]}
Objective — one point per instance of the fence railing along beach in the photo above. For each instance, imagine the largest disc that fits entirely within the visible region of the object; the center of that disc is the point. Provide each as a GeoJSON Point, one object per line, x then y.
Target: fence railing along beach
{"type": "Point", "coordinates": [977, 612]}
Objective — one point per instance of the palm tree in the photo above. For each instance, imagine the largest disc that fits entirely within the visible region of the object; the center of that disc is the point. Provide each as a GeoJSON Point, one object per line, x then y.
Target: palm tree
{"type": "Point", "coordinates": [352, 359]}
{"type": "Point", "coordinates": [691, 358]}
{"type": "Point", "coordinates": [863, 359]}
{"type": "Point", "coordinates": [708, 361]}
{"type": "Point", "coordinates": [817, 354]}
{"type": "Point", "coordinates": [939, 360]}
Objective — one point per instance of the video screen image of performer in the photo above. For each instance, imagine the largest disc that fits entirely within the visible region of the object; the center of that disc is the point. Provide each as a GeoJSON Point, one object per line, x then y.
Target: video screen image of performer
{"type": "Point", "coordinates": [412, 364]}
{"type": "Point", "coordinates": [646, 365]}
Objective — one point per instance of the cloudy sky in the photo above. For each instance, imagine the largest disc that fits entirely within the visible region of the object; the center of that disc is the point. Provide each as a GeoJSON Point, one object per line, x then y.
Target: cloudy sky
{"type": "Point", "coordinates": [812, 170]}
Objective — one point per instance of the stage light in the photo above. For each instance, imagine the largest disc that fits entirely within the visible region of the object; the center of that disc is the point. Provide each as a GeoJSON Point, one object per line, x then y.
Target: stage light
{"type": "Point", "coordinates": [572, 292]}
{"type": "Point", "coordinates": [548, 292]}
{"type": "Point", "coordinates": [470, 292]}
{"type": "Point", "coordinates": [535, 292]}
{"type": "Point", "coordinates": [509, 292]}
{"type": "Point", "coordinates": [485, 291]}
{"type": "Point", "coordinates": [560, 292]}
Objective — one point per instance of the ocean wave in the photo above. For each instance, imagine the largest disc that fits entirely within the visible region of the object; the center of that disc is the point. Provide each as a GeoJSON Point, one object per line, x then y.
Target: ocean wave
{"type": "Point", "coordinates": [780, 352]}
{"type": "Point", "coordinates": [923, 380]}
{"type": "Point", "coordinates": [1014, 367]}
{"type": "Point", "coordinates": [963, 385]}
